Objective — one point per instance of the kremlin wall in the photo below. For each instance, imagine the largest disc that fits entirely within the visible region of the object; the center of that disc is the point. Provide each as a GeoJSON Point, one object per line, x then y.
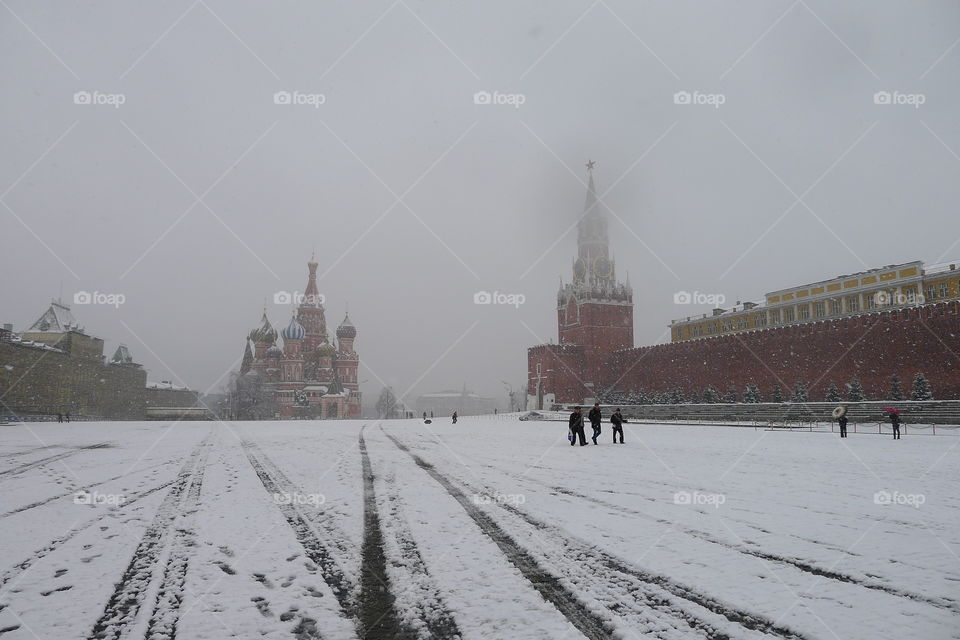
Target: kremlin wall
{"type": "Point", "coordinates": [898, 319]}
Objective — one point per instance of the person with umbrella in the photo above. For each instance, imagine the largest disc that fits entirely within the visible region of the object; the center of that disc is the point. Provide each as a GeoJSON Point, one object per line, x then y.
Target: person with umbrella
{"type": "Point", "coordinates": [895, 421]}
{"type": "Point", "coordinates": [840, 413]}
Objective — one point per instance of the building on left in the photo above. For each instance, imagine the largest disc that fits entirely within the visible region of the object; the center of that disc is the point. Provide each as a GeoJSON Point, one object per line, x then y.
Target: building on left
{"type": "Point", "coordinates": [55, 366]}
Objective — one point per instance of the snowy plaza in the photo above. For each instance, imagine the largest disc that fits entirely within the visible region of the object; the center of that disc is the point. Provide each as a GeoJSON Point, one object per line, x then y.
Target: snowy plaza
{"type": "Point", "coordinates": [491, 528]}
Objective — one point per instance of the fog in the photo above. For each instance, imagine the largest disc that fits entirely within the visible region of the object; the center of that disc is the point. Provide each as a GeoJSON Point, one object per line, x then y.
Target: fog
{"type": "Point", "coordinates": [190, 191]}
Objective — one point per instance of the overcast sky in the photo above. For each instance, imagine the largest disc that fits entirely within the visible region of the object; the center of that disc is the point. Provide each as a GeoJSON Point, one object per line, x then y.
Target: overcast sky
{"type": "Point", "coordinates": [199, 197]}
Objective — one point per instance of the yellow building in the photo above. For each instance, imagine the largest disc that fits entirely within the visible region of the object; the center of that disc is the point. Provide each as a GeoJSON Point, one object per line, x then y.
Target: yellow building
{"type": "Point", "coordinates": [894, 286]}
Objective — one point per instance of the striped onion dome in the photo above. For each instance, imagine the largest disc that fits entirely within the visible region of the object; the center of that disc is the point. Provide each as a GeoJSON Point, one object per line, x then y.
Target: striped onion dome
{"type": "Point", "coordinates": [294, 330]}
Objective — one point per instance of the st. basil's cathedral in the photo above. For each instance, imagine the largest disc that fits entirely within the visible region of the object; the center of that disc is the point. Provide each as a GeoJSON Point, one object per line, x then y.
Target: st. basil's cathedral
{"type": "Point", "coordinates": [306, 375]}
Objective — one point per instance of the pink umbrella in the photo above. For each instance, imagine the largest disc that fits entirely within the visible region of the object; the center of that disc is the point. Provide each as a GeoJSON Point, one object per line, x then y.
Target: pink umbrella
{"type": "Point", "coordinates": [891, 410]}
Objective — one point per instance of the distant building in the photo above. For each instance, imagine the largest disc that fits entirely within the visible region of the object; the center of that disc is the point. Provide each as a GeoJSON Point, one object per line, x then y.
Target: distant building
{"type": "Point", "coordinates": [894, 286]}
{"type": "Point", "coordinates": [304, 376]}
{"type": "Point", "coordinates": [56, 367]}
{"type": "Point", "coordinates": [444, 403]}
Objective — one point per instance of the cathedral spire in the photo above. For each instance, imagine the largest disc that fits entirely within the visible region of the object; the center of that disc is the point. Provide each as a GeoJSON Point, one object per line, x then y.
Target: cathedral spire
{"type": "Point", "coordinates": [311, 297]}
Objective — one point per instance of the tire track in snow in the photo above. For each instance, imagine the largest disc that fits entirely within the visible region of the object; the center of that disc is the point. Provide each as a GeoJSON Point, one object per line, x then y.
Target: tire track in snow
{"type": "Point", "coordinates": [40, 503]}
{"type": "Point", "coordinates": [637, 581]}
{"type": "Point", "coordinates": [565, 601]}
{"type": "Point", "coordinates": [317, 551]}
{"type": "Point", "coordinates": [166, 609]}
{"type": "Point", "coordinates": [797, 563]}
{"type": "Point", "coordinates": [428, 609]}
{"type": "Point", "coordinates": [376, 615]}
{"type": "Point", "coordinates": [19, 568]}
{"type": "Point", "coordinates": [124, 604]}
{"type": "Point", "coordinates": [27, 466]}
{"type": "Point", "coordinates": [429, 605]}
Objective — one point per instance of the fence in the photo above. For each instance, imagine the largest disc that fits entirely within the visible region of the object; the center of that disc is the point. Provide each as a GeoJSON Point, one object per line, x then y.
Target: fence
{"type": "Point", "coordinates": [934, 417]}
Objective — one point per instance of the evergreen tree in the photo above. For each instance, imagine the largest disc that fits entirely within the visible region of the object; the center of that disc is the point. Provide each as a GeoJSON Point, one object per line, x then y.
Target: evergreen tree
{"type": "Point", "coordinates": [921, 388]}
{"type": "Point", "coordinates": [800, 393]}
{"type": "Point", "coordinates": [676, 396]}
{"type": "Point", "coordinates": [710, 395]}
{"type": "Point", "coordinates": [896, 389]}
{"type": "Point", "coordinates": [777, 394]}
{"type": "Point", "coordinates": [855, 391]}
{"type": "Point", "coordinates": [730, 397]}
{"type": "Point", "coordinates": [752, 394]}
{"type": "Point", "coordinates": [833, 394]}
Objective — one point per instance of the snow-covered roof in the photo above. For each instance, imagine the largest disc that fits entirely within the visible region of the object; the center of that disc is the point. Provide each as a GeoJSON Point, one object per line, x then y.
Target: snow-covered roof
{"type": "Point", "coordinates": [56, 319]}
{"type": "Point", "coordinates": [166, 384]}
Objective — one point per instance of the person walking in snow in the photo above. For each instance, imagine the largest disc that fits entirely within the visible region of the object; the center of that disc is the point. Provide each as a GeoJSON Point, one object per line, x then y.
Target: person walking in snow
{"type": "Point", "coordinates": [576, 428]}
{"type": "Point", "coordinates": [843, 425]}
{"type": "Point", "coordinates": [59, 417]}
{"type": "Point", "coordinates": [617, 421]}
{"type": "Point", "coordinates": [454, 417]}
{"type": "Point", "coordinates": [596, 417]}
{"type": "Point", "coordinates": [895, 421]}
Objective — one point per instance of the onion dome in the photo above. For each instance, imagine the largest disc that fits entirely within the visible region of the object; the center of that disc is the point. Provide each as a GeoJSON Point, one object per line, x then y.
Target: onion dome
{"type": "Point", "coordinates": [346, 329]}
{"type": "Point", "coordinates": [326, 349]}
{"type": "Point", "coordinates": [265, 332]}
{"type": "Point", "coordinates": [294, 330]}
{"type": "Point", "coordinates": [274, 352]}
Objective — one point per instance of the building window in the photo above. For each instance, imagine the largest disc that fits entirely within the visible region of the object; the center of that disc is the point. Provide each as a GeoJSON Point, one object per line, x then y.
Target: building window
{"type": "Point", "coordinates": [835, 307]}
{"type": "Point", "coordinates": [943, 290]}
{"type": "Point", "coordinates": [853, 304]}
{"type": "Point", "coordinates": [872, 300]}
{"type": "Point", "coordinates": [804, 312]}
{"type": "Point", "coordinates": [538, 368]}
{"type": "Point", "coordinates": [788, 314]}
{"type": "Point", "coordinates": [819, 309]}
{"type": "Point", "coordinates": [930, 293]}
{"type": "Point", "coordinates": [760, 321]}
{"type": "Point", "coordinates": [775, 317]}
{"type": "Point", "coordinates": [911, 295]}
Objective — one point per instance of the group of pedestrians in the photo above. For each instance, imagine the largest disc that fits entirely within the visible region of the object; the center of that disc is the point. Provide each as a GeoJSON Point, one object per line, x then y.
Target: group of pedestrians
{"type": "Point", "coordinates": [596, 419]}
{"type": "Point", "coordinates": [894, 421]}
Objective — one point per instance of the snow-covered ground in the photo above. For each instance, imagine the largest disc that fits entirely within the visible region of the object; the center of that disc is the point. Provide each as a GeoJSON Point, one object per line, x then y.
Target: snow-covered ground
{"type": "Point", "coordinates": [491, 528]}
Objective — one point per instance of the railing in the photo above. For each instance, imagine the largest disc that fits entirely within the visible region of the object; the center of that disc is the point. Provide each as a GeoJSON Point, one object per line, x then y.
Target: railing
{"type": "Point", "coordinates": [932, 416]}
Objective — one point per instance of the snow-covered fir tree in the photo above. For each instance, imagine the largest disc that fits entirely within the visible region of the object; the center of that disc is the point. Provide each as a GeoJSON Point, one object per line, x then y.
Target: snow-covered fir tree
{"type": "Point", "coordinates": [855, 391]}
{"type": "Point", "coordinates": [800, 393]}
{"type": "Point", "coordinates": [751, 394]}
{"type": "Point", "coordinates": [777, 395]}
{"type": "Point", "coordinates": [730, 397]}
{"type": "Point", "coordinates": [676, 396]}
{"type": "Point", "coordinates": [921, 388]}
{"type": "Point", "coordinates": [710, 395]}
{"type": "Point", "coordinates": [896, 388]}
{"type": "Point", "coordinates": [833, 393]}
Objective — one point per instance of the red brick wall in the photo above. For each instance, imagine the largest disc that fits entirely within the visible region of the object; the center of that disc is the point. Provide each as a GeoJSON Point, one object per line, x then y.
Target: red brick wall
{"type": "Point", "coordinates": [871, 347]}
{"type": "Point", "coordinates": [601, 327]}
{"type": "Point", "coordinates": [561, 371]}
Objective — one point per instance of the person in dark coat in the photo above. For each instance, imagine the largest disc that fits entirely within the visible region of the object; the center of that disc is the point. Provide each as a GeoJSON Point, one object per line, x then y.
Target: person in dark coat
{"type": "Point", "coordinates": [576, 427]}
{"type": "Point", "coordinates": [68, 416]}
{"type": "Point", "coordinates": [454, 417]}
{"type": "Point", "coordinates": [59, 417]}
{"type": "Point", "coordinates": [596, 417]}
{"type": "Point", "coordinates": [843, 425]}
{"type": "Point", "coordinates": [895, 421]}
{"type": "Point", "coordinates": [617, 421]}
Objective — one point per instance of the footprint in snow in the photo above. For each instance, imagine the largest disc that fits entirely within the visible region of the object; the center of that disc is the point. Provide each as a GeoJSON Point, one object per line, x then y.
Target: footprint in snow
{"type": "Point", "coordinates": [63, 588]}
{"type": "Point", "coordinates": [227, 569]}
{"type": "Point", "coordinates": [262, 579]}
{"type": "Point", "coordinates": [59, 573]}
{"type": "Point", "coordinates": [262, 606]}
